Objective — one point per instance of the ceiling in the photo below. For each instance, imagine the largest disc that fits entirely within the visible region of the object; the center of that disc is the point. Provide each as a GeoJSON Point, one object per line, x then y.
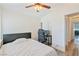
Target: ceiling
{"type": "Point", "coordinates": [20, 8]}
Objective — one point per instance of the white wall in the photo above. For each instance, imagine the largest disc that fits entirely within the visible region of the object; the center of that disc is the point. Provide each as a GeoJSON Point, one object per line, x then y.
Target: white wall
{"type": "Point", "coordinates": [0, 25]}
{"type": "Point", "coordinates": [14, 22]}
{"type": "Point", "coordinates": [55, 22]}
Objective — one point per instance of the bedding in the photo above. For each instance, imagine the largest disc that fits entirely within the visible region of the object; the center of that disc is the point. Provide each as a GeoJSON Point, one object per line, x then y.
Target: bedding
{"type": "Point", "coordinates": [27, 47]}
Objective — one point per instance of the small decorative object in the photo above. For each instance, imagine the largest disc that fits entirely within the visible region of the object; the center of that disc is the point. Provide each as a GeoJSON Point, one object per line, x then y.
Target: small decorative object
{"type": "Point", "coordinates": [41, 24]}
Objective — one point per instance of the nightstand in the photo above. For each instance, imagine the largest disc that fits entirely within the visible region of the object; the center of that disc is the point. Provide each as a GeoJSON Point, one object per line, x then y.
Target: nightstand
{"type": "Point", "coordinates": [48, 40]}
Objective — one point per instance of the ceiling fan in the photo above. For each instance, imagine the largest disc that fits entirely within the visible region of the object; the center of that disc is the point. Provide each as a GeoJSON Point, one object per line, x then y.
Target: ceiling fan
{"type": "Point", "coordinates": [38, 6]}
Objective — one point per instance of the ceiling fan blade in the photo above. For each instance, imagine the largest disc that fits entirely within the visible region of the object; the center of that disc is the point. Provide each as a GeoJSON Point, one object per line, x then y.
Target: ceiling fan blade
{"type": "Point", "coordinates": [29, 6]}
{"type": "Point", "coordinates": [45, 6]}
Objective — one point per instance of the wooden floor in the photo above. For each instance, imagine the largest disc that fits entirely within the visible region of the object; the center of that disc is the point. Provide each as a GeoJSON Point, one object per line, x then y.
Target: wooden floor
{"type": "Point", "coordinates": [71, 46]}
{"type": "Point", "coordinates": [70, 49]}
{"type": "Point", "coordinates": [76, 52]}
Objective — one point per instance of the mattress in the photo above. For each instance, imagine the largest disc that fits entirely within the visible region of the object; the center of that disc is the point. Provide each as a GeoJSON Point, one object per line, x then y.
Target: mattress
{"type": "Point", "coordinates": [27, 47]}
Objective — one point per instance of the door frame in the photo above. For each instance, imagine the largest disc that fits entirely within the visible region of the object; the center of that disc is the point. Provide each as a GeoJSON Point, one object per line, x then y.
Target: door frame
{"type": "Point", "coordinates": [69, 31]}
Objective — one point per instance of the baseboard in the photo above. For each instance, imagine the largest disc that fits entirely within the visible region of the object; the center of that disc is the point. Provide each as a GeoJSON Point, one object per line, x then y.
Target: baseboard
{"type": "Point", "coordinates": [62, 49]}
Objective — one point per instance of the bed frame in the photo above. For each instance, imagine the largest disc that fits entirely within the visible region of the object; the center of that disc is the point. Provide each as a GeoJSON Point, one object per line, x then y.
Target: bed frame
{"type": "Point", "coordinates": [7, 38]}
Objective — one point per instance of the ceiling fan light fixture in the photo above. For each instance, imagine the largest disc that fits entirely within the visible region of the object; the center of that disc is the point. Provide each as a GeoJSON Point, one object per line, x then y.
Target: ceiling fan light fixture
{"type": "Point", "coordinates": [38, 7]}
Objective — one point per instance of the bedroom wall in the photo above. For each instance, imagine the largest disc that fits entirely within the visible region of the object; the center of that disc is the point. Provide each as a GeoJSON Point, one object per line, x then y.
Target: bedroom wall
{"type": "Point", "coordinates": [0, 25]}
{"type": "Point", "coordinates": [14, 22]}
{"type": "Point", "coordinates": [55, 22]}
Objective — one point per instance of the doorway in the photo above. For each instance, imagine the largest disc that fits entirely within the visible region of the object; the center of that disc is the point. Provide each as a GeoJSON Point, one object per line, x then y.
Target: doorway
{"type": "Point", "coordinates": [72, 34]}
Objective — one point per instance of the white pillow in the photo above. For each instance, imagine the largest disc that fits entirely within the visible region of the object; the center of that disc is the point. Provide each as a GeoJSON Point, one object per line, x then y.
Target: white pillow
{"type": "Point", "coordinates": [20, 40]}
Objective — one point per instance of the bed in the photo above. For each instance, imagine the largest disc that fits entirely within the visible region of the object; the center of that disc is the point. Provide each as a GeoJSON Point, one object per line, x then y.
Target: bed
{"type": "Point", "coordinates": [25, 46]}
